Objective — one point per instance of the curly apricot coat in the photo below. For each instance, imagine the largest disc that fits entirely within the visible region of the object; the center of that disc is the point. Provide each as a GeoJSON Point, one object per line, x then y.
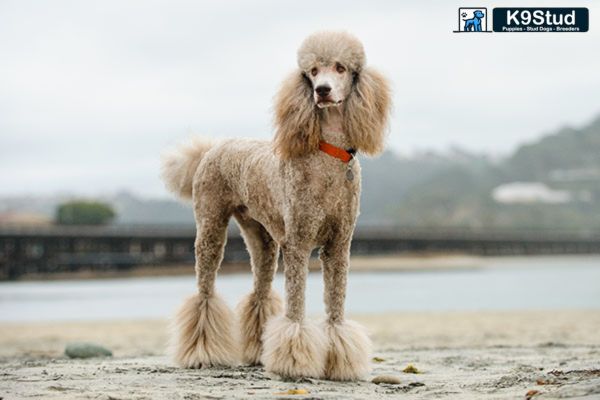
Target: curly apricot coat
{"type": "Point", "coordinates": [285, 195]}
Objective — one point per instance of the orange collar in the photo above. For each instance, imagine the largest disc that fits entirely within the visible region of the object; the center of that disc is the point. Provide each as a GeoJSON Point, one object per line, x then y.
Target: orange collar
{"type": "Point", "coordinates": [337, 152]}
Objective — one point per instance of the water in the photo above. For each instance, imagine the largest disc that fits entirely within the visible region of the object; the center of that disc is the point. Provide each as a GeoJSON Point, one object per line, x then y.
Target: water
{"type": "Point", "coordinates": [502, 284]}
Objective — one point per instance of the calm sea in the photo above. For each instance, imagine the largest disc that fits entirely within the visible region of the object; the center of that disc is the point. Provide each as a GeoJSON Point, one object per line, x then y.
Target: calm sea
{"type": "Point", "coordinates": [501, 284]}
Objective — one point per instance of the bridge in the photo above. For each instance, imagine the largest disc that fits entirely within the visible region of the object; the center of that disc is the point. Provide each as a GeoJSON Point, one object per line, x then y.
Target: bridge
{"type": "Point", "coordinates": [53, 249]}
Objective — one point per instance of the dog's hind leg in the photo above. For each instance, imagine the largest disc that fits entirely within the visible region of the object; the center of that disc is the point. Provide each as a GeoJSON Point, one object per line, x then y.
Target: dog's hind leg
{"type": "Point", "coordinates": [294, 347]}
{"type": "Point", "coordinates": [263, 302]}
{"type": "Point", "coordinates": [348, 356]}
{"type": "Point", "coordinates": [204, 326]}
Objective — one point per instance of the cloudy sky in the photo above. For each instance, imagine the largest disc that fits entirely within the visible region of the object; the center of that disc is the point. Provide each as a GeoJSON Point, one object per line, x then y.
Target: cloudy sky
{"type": "Point", "coordinates": [91, 92]}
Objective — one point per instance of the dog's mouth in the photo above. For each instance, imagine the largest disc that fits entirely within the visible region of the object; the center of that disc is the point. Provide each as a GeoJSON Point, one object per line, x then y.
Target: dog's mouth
{"type": "Point", "coordinates": [328, 103]}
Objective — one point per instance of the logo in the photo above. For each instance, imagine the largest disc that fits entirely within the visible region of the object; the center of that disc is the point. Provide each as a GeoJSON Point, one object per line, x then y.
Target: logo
{"type": "Point", "coordinates": [541, 19]}
{"type": "Point", "coordinates": [472, 19]}
{"type": "Point", "coordinates": [523, 19]}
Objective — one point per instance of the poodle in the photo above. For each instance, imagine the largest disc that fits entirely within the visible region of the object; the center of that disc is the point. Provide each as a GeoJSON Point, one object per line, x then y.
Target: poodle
{"type": "Point", "coordinates": [293, 194]}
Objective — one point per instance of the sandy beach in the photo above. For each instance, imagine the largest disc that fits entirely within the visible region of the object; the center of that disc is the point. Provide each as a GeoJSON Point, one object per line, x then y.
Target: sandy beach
{"type": "Point", "coordinates": [473, 355]}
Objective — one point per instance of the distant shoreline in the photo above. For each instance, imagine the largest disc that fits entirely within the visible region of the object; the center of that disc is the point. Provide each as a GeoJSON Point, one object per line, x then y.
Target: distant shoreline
{"type": "Point", "coordinates": [387, 263]}
{"type": "Point", "coordinates": [409, 262]}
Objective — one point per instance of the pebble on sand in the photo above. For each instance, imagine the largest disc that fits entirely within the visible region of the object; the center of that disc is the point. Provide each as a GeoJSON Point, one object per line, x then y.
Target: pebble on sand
{"type": "Point", "coordinates": [86, 350]}
{"type": "Point", "coordinates": [411, 369]}
{"type": "Point", "coordinates": [394, 380]}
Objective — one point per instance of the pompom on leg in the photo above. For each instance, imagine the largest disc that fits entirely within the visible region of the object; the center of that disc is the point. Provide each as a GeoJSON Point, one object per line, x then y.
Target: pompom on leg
{"type": "Point", "coordinates": [294, 349]}
{"type": "Point", "coordinates": [203, 333]}
{"type": "Point", "coordinates": [253, 313]}
{"type": "Point", "coordinates": [349, 351]}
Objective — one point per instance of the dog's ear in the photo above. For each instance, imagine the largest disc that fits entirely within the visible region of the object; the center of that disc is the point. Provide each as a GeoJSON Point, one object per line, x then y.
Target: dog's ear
{"type": "Point", "coordinates": [367, 111]}
{"type": "Point", "coordinates": [296, 119]}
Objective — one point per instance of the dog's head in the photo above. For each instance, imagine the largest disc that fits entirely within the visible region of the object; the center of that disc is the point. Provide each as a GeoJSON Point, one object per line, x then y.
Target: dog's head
{"type": "Point", "coordinates": [330, 61]}
{"type": "Point", "coordinates": [331, 73]}
{"type": "Point", "coordinates": [478, 14]}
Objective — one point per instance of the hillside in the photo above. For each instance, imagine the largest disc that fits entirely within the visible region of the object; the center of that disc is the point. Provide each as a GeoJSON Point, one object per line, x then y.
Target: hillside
{"type": "Point", "coordinates": [553, 182]}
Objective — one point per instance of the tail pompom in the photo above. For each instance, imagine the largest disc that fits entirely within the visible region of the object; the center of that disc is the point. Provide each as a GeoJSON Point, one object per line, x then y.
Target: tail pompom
{"type": "Point", "coordinates": [180, 165]}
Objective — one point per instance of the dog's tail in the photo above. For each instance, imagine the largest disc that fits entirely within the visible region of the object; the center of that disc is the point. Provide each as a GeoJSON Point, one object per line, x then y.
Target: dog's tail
{"type": "Point", "coordinates": [180, 165]}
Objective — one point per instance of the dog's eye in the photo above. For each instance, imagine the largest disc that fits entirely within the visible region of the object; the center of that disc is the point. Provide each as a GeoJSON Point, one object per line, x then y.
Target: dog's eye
{"type": "Point", "coordinates": [314, 71]}
{"type": "Point", "coordinates": [340, 68]}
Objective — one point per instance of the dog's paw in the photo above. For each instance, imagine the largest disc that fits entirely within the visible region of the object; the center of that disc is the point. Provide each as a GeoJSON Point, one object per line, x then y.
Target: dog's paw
{"type": "Point", "coordinates": [349, 352]}
{"type": "Point", "coordinates": [203, 334]}
{"type": "Point", "coordinates": [294, 349]}
{"type": "Point", "coordinates": [253, 314]}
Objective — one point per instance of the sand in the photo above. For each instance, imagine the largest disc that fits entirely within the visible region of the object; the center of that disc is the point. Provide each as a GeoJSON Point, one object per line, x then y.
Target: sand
{"type": "Point", "coordinates": [471, 355]}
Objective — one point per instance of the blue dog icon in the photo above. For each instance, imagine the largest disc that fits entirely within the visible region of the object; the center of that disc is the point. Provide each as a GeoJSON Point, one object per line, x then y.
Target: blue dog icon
{"type": "Point", "coordinates": [474, 24]}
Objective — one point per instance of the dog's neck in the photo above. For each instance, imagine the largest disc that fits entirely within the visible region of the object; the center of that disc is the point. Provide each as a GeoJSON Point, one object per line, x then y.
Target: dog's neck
{"type": "Point", "coordinates": [332, 128]}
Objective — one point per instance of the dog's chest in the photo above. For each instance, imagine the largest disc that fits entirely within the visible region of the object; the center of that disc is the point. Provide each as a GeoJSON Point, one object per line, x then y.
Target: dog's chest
{"type": "Point", "coordinates": [338, 204]}
{"type": "Point", "coordinates": [319, 201]}
{"type": "Point", "coordinates": [335, 194]}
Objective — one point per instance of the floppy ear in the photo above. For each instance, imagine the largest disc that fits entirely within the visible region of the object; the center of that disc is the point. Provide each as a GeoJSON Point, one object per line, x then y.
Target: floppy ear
{"type": "Point", "coordinates": [296, 119]}
{"type": "Point", "coordinates": [367, 112]}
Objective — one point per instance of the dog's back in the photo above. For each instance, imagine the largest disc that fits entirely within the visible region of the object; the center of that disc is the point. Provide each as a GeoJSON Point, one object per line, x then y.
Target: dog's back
{"type": "Point", "coordinates": [244, 171]}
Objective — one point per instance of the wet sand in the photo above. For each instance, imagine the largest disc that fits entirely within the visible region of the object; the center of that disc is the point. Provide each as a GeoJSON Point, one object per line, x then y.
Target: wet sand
{"type": "Point", "coordinates": [473, 355]}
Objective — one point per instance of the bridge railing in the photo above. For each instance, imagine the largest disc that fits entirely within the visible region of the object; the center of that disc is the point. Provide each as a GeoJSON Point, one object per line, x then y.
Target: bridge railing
{"type": "Point", "coordinates": [53, 249]}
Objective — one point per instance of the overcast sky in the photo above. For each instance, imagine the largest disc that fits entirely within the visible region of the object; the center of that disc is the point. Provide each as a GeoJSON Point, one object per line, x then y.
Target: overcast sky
{"type": "Point", "coordinates": [91, 92]}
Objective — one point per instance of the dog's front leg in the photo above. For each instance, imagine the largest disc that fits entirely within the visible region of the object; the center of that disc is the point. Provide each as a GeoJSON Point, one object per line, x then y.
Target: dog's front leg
{"type": "Point", "coordinates": [292, 346]}
{"type": "Point", "coordinates": [348, 355]}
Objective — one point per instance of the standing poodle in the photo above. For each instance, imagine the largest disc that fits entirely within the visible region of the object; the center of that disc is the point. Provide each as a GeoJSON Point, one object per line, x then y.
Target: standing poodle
{"type": "Point", "coordinates": [296, 193]}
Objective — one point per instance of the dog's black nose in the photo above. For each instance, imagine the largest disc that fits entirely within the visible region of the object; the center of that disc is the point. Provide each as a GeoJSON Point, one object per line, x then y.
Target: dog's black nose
{"type": "Point", "coordinates": [323, 90]}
